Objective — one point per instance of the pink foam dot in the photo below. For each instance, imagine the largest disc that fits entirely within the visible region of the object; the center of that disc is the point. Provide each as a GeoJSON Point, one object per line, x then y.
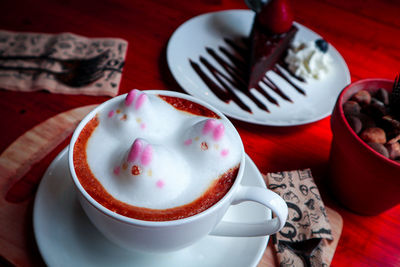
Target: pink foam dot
{"type": "Point", "coordinates": [140, 101]}
{"type": "Point", "coordinates": [135, 150]}
{"type": "Point", "coordinates": [224, 152]}
{"type": "Point", "coordinates": [117, 170]}
{"type": "Point", "coordinates": [130, 97]}
{"type": "Point", "coordinates": [188, 142]}
{"type": "Point", "coordinates": [160, 183]}
{"type": "Point", "coordinates": [209, 125]}
{"type": "Point", "coordinates": [219, 132]}
{"type": "Point", "coordinates": [143, 125]}
{"type": "Point", "coordinates": [111, 113]}
{"type": "Point", "coordinates": [147, 155]}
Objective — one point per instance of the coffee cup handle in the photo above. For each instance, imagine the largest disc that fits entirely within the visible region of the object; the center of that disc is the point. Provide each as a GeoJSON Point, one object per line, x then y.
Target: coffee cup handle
{"type": "Point", "coordinates": [260, 195]}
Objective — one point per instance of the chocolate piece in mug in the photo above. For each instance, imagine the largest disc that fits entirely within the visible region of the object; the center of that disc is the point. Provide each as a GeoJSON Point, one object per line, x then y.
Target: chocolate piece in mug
{"type": "Point", "coordinates": [394, 139]}
{"type": "Point", "coordinates": [362, 97]}
{"type": "Point", "coordinates": [374, 135]}
{"type": "Point", "coordinates": [393, 150]}
{"type": "Point", "coordinates": [355, 123]}
{"type": "Point", "coordinates": [392, 122]}
{"type": "Point", "coordinates": [351, 108]}
{"type": "Point", "coordinates": [367, 121]}
{"type": "Point", "coordinates": [381, 149]}
{"type": "Point", "coordinates": [375, 109]}
{"type": "Point", "coordinates": [383, 96]}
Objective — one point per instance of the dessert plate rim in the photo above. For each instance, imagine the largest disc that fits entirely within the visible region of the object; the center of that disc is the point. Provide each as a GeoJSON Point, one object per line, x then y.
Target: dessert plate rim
{"type": "Point", "coordinates": [65, 236]}
{"type": "Point", "coordinates": [209, 30]}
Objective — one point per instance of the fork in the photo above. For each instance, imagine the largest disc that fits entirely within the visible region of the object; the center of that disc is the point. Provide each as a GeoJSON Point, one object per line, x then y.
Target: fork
{"type": "Point", "coordinates": [82, 63]}
{"type": "Point", "coordinates": [75, 77]}
{"type": "Point", "coordinates": [76, 73]}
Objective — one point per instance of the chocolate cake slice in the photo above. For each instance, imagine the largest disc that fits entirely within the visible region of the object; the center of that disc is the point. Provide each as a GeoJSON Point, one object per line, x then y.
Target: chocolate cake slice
{"type": "Point", "coordinates": [266, 49]}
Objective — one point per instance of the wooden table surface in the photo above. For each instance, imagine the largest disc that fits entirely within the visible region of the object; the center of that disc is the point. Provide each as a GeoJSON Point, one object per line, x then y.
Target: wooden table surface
{"type": "Point", "coordinates": [365, 32]}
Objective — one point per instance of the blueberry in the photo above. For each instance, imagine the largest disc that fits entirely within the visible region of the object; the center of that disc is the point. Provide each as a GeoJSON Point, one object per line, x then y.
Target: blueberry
{"type": "Point", "coordinates": [322, 45]}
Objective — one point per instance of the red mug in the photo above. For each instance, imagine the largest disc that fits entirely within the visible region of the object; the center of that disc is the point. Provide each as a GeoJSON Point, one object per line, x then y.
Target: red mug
{"type": "Point", "coordinates": [363, 180]}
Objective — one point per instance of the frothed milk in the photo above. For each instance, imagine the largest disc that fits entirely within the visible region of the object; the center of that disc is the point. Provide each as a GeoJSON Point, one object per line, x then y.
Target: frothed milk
{"type": "Point", "coordinates": [156, 157]}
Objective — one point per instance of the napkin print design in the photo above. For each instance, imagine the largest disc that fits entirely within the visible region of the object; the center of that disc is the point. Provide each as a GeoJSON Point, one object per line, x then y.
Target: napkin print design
{"type": "Point", "coordinates": [60, 46]}
{"type": "Point", "coordinates": [307, 220]}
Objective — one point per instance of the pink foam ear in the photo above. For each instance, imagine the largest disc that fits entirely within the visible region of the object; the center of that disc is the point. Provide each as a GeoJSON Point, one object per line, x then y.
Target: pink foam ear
{"type": "Point", "coordinates": [130, 97]}
{"type": "Point", "coordinates": [135, 150]}
{"type": "Point", "coordinates": [219, 132]}
{"type": "Point", "coordinates": [140, 101]}
{"type": "Point", "coordinates": [209, 126]}
{"type": "Point", "coordinates": [147, 155]}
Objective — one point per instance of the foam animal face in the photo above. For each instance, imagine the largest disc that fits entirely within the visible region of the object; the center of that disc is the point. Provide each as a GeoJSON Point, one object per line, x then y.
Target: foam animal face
{"type": "Point", "coordinates": [135, 113]}
{"type": "Point", "coordinates": [153, 170]}
{"type": "Point", "coordinates": [139, 157]}
{"type": "Point", "coordinates": [207, 139]}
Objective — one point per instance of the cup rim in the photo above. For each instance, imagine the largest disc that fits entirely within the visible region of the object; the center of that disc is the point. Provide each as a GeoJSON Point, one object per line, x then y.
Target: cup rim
{"type": "Point", "coordinates": [144, 223]}
{"type": "Point", "coordinates": [347, 125]}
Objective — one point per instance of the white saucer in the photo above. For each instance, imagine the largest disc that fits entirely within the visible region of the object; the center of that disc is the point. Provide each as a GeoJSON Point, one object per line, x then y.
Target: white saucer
{"type": "Point", "coordinates": [209, 30]}
{"type": "Point", "coordinates": [66, 237]}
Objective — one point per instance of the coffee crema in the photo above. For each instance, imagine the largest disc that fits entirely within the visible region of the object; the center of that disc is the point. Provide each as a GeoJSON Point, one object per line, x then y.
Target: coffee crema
{"type": "Point", "coordinates": [156, 157]}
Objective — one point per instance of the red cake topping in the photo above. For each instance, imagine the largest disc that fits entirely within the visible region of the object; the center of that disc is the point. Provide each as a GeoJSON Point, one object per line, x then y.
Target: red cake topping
{"type": "Point", "coordinates": [276, 16]}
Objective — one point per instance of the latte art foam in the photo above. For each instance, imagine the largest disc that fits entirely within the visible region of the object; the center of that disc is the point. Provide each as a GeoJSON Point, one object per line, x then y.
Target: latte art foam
{"type": "Point", "coordinates": [147, 153]}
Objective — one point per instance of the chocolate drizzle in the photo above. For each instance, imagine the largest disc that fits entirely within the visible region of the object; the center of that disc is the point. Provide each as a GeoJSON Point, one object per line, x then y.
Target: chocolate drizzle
{"type": "Point", "coordinates": [235, 75]}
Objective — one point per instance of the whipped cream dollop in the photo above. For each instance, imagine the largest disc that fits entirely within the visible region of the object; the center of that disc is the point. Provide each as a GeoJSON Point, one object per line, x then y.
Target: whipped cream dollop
{"type": "Point", "coordinates": [309, 60]}
{"type": "Point", "coordinates": [149, 154]}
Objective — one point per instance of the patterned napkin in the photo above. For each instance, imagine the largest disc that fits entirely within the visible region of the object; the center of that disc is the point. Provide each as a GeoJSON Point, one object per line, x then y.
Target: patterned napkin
{"type": "Point", "coordinates": [307, 222]}
{"type": "Point", "coordinates": [60, 46]}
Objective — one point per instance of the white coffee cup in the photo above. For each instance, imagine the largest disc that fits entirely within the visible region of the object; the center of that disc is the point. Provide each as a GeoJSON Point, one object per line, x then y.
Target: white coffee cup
{"type": "Point", "coordinates": [164, 236]}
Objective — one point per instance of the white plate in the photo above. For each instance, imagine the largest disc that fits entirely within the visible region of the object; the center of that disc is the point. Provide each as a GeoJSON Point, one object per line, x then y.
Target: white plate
{"type": "Point", "coordinates": [66, 237]}
{"type": "Point", "coordinates": [209, 30]}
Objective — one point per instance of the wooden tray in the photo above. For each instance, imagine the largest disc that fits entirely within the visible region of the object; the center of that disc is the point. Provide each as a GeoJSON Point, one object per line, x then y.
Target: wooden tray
{"type": "Point", "coordinates": [16, 231]}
